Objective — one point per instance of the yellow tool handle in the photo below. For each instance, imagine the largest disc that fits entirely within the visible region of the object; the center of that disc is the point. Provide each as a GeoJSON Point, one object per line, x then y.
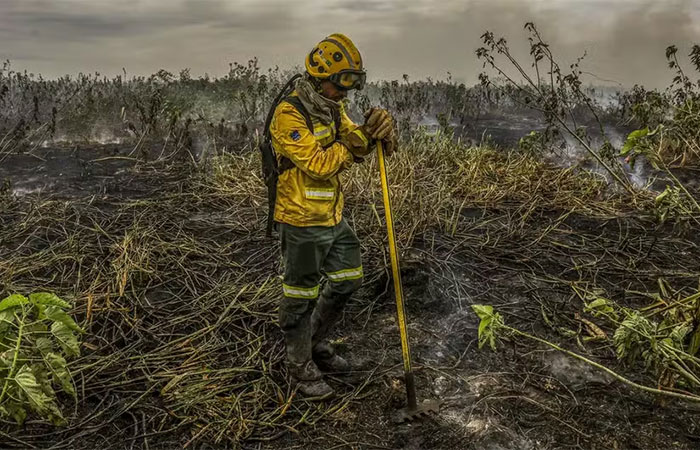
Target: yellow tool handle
{"type": "Point", "coordinates": [400, 307]}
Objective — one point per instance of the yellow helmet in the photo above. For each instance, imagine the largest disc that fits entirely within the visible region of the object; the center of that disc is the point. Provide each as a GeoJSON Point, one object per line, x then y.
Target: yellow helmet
{"type": "Point", "coordinates": [338, 60]}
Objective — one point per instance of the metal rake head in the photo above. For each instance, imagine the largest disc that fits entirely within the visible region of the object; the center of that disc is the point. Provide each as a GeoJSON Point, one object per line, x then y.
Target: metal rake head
{"type": "Point", "coordinates": [409, 414]}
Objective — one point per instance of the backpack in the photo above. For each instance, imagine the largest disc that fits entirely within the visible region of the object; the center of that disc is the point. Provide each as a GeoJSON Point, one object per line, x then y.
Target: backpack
{"type": "Point", "coordinates": [271, 168]}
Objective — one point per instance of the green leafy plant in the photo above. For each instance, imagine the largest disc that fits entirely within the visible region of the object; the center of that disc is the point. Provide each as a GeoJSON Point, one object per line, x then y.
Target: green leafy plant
{"type": "Point", "coordinates": [36, 337]}
{"type": "Point", "coordinates": [490, 326]}
{"type": "Point", "coordinates": [632, 338]}
{"type": "Point", "coordinates": [664, 336]}
{"type": "Point", "coordinates": [556, 93]}
{"type": "Point", "coordinates": [632, 148]}
{"type": "Point", "coordinates": [601, 306]}
{"type": "Point", "coordinates": [676, 200]}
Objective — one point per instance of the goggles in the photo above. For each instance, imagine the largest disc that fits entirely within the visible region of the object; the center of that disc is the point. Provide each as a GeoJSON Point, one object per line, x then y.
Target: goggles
{"type": "Point", "coordinates": [349, 79]}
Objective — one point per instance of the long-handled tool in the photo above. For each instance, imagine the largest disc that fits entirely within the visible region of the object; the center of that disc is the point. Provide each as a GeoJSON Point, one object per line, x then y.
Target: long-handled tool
{"type": "Point", "coordinates": [413, 410]}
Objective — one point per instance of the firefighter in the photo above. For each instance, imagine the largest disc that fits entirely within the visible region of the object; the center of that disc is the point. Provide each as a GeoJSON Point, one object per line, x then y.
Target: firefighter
{"type": "Point", "coordinates": [315, 140]}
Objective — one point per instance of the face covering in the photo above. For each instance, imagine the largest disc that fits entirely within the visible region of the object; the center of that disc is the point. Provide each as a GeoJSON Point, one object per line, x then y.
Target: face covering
{"type": "Point", "coordinates": [316, 104]}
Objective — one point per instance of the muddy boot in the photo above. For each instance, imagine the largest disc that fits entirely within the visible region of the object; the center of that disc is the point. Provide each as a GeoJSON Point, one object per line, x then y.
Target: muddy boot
{"type": "Point", "coordinates": [326, 314]}
{"type": "Point", "coordinates": [309, 382]}
{"type": "Point", "coordinates": [328, 360]}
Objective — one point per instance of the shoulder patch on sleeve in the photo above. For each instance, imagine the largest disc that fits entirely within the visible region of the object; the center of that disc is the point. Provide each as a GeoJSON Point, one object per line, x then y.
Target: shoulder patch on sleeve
{"type": "Point", "coordinates": [295, 135]}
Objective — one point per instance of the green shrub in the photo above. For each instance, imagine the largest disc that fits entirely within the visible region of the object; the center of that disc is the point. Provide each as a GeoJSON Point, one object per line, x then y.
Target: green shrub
{"type": "Point", "coordinates": [36, 337]}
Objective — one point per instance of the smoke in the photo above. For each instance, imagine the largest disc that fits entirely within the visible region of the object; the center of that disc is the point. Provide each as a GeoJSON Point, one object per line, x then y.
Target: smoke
{"type": "Point", "coordinates": [624, 40]}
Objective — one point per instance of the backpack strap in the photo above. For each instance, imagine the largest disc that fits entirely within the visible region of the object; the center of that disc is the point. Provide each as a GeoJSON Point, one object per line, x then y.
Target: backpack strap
{"type": "Point", "coordinates": [270, 168]}
{"type": "Point", "coordinates": [282, 94]}
{"type": "Point", "coordinates": [286, 163]}
{"type": "Point", "coordinates": [299, 106]}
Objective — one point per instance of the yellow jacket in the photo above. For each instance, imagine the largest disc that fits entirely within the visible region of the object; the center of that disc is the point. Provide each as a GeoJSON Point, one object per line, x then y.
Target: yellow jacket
{"type": "Point", "coordinates": [310, 194]}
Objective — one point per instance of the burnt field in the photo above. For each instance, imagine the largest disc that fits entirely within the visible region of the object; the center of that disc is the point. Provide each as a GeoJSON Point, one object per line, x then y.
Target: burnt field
{"type": "Point", "coordinates": [176, 286]}
{"type": "Point", "coordinates": [549, 245]}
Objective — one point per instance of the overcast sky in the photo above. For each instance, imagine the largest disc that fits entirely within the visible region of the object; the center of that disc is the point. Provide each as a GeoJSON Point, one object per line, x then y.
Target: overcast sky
{"type": "Point", "coordinates": [625, 39]}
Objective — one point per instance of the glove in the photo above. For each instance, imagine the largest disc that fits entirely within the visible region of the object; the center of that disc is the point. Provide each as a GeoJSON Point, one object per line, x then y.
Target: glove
{"type": "Point", "coordinates": [390, 144]}
{"type": "Point", "coordinates": [378, 123]}
{"type": "Point", "coordinates": [356, 144]}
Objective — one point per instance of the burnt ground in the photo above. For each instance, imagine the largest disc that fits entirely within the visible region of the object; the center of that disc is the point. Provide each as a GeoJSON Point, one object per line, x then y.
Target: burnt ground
{"type": "Point", "coordinates": [80, 171]}
{"type": "Point", "coordinates": [524, 396]}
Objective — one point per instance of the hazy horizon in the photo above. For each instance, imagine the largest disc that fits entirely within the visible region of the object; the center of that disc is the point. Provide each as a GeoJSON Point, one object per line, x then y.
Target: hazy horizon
{"type": "Point", "coordinates": [625, 40]}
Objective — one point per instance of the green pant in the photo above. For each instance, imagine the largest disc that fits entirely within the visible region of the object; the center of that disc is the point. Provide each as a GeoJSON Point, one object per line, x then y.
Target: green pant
{"type": "Point", "coordinates": [308, 253]}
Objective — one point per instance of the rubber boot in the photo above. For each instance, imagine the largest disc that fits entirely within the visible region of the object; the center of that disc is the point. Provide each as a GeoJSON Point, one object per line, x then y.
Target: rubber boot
{"type": "Point", "coordinates": [309, 382]}
{"type": "Point", "coordinates": [295, 321]}
{"type": "Point", "coordinates": [328, 360]}
{"type": "Point", "coordinates": [326, 314]}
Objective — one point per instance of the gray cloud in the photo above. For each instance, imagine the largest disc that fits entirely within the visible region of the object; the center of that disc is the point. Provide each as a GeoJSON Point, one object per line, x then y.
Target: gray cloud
{"type": "Point", "coordinates": [625, 39]}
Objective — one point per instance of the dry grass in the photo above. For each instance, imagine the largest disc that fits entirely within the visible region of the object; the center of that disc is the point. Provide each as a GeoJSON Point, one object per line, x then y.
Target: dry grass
{"type": "Point", "coordinates": [178, 290]}
{"type": "Point", "coordinates": [436, 181]}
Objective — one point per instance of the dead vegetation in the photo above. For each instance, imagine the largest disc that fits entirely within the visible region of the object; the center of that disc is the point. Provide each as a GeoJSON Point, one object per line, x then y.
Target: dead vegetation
{"type": "Point", "coordinates": [177, 288]}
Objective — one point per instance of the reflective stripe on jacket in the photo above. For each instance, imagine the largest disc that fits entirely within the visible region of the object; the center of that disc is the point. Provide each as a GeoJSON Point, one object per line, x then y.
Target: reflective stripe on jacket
{"type": "Point", "coordinates": [309, 194]}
